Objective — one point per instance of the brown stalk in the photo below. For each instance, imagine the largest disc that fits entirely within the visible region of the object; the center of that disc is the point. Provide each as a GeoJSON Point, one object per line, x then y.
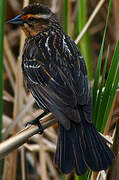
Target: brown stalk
{"type": "Point", "coordinates": [23, 169]}
{"type": "Point", "coordinates": [18, 118]}
{"type": "Point", "coordinates": [110, 115]}
{"type": "Point", "coordinates": [14, 153]}
{"type": "Point", "coordinates": [10, 57]}
{"type": "Point", "coordinates": [42, 159]}
{"type": "Point", "coordinates": [6, 121]}
{"type": "Point", "coordinates": [91, 18]}
{"type": "Point", "coordinates": [8, 71]}
{"type": "Point", "coordinates": [18, 100]}
{"type": "Point", "coordinates": [51, 167]}
{"type": "Point", "coordinates": [69, 18]}
{"type": "Point", "coordinates": [35, 165]}
{"type": "Point", "coordinates": [36, 147]}
{"type": "Point", "coordinates": [116, 17]}
{"type": "Point", "coordinates": [19, 139]}
{"type": "Point", "coordinates": [115, 149]}
{"type": "Point", "coordinates": [7, 96]}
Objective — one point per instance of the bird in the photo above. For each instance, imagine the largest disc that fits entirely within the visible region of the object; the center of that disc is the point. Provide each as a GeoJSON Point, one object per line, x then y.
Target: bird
{"type": "Point", "coordinates": [55, 73]}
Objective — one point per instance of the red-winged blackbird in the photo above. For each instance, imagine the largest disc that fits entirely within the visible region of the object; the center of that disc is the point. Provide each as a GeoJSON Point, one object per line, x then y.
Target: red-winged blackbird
{"type": "Point", "coordinates": [55, 73]}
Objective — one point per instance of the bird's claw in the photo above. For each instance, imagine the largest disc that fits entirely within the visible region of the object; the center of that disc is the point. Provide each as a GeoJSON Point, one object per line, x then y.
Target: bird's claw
{"type": "Point", "coordinates": [36, 122]}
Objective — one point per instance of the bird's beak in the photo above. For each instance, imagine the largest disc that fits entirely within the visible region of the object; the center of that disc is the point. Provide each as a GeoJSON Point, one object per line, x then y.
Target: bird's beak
{"type": "Point", "coordinates": [17, 20]}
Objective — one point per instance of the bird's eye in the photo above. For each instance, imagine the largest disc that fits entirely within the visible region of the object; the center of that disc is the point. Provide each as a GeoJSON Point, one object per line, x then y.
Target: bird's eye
{"type": "Point", "coordinates": [31, 18]}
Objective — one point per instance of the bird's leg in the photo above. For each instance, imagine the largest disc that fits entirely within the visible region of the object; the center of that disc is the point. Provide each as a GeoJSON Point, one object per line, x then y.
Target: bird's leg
{"type": "Point", "coordinates": [36, 121]}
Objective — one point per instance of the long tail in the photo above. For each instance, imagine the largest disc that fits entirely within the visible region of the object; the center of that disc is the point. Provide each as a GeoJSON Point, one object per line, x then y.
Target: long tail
{"type": "Point", "coordinates": [82, 147]}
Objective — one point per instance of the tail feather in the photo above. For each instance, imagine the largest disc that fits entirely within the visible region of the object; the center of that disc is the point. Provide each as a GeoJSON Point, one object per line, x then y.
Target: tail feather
{"type": "Point", "coordinates": [91, 151]}
{"type": "Point", "coordinates": [69, 154]}
{"type": "Point", "coordinates": [82, 147]}
{"type": "Point", "coordinates": [80, 164]}
{"type": "Point", "coordinates": [97, 154]}
{"type": "Point", "coordinates": [64, 158]}
{"type": "Point", "coordinates": [107, 154]}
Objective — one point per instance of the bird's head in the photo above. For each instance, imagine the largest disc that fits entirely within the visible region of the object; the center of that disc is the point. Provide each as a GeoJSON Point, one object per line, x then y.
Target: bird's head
{"type": "Point", "coordinates": [34, 18]}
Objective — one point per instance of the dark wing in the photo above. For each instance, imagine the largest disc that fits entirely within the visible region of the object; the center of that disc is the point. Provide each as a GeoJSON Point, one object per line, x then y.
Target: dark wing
{"type": "Point", "coordinates": [56, 81]}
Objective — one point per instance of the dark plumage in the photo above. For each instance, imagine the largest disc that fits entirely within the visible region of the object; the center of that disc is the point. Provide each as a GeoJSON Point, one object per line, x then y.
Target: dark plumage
{"type": "Point", "coordinates": [35, 9]}
{"type": "Point", "coordinates": [55, 73]}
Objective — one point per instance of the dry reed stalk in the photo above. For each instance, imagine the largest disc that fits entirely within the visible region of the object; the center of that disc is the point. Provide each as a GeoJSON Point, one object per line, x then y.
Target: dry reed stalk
{"type": "Point", "coordinates": [54, 5]}
{"type": "Point", "coordinates": [6, 121]}
{"type": "Point", "coordinates": [14, 153]}
{"type": "Point", "coordinates": [108, 139]}
{"type": "Point", "coordinates": [7, 168]}
{"type": "Point", "coordinates": [13, 168]}
{"type": "Point", "coordinates": [7, 96]}
{"type": "Point", "coordinates": [69, 29]}
{"type": "Point", "coordinates": [52, 170]}
{"type": "Point", "coordinates": [23, 169]}
{"type": "Point", "coordinates": [19, 82]}
{"type": "Point", "coordinates": [101, 175]}
{"type": "Point", "coordinates": [36, 147]}
{"type": "Point", "coordinates": [51, 146]}
{"type": "Point", "coordinates": [10, 77]}
{"type": "Point", "coordinates": [116, 17]}
{"type": "Point", "coordinates": [30, 115]}
{"type": "Point", "coordinates": [20, 76]}
{"type": "Point", "coordinates": [14, 4]}
{"type": "Point", "coordinates": [32, 147]}
{"type": "Point", "coordinates": [18, 102]}
{"type": "Point", "coordinates": [35, 165]}
{"type": "Point", "coordinates": [94, 175]}
{"type": "Point", "coordinates": [91, 18]}
{"type": "Point", "coordinates": [51, 135]}
{"type": "Point", "coordinates": [18, 105]}
{"type": "Point", "coordinates": [10, 57]}
{"type": "Point", "coordinates": [16, 141]}
{"type": "Point", "coordinates": [110, 115]}
{"type": "Point", "coordinates": [42, 159]}
{"type": "Point", "coordinates": [18, 118]}
{"type": "Point", "coordinates": [115, 149]}
{"type": "Point", "coordinates": [19, 139]}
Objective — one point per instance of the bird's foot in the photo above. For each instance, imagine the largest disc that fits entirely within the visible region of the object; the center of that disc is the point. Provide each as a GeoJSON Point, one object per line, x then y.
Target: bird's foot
{"type": "Point", "coordinates": [37, 122]}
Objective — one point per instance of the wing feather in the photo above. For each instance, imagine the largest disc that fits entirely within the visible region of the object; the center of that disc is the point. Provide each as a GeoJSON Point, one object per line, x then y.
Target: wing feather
{"type": "Point", "coordinates": [60, 82]}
